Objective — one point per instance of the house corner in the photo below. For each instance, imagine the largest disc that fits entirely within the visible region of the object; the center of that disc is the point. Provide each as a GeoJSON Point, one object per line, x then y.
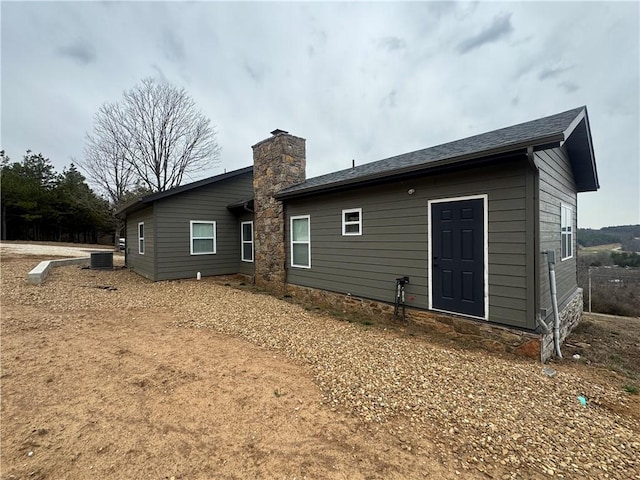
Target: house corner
{"type": "Point", "coordinates": [570, 315]}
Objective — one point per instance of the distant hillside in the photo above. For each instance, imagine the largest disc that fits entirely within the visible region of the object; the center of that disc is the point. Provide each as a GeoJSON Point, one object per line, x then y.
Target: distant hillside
{"type": "Point", "coordinates": [627, 235]}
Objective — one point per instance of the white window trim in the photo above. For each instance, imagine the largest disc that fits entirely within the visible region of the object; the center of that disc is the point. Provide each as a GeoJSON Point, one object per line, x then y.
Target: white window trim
{"type": "Point", "coordinates": [345, 223]}
{"type": "Point", "coordinates": [564, 207]}
{"type": "Point", "coordinates": [141, 238]}
{"type": "Point", "coordinates": [191, 238]}
{"type": "Point", "coordinates": [243, 242]}
{"type": "Point", "coordinates": [308, 242]}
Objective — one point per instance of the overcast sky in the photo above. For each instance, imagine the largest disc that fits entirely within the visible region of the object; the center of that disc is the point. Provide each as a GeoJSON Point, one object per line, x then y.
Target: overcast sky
{"type": "Point", "coordinates": [359, 81]}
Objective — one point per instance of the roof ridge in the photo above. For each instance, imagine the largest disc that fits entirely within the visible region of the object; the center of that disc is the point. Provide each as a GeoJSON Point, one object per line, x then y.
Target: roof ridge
{"type": "Point", "coordinates": [504, 137]}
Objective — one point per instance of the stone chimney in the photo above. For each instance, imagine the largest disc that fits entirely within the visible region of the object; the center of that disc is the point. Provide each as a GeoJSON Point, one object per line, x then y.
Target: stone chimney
{"type": "Point", "coordinates": [278, 162]}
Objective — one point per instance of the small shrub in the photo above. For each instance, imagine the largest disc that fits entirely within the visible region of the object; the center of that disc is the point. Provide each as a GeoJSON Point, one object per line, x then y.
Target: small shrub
{"type": "Point", "coordinates": [621, 300]}
{"type": "Point", "coordinates": [626, 259]}
{"type": "Point", "coordinates": [631, 389]}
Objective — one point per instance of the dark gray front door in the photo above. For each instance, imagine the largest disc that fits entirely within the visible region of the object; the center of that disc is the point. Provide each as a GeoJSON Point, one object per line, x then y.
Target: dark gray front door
{"type": "Point", "coordinates": [457, 263]}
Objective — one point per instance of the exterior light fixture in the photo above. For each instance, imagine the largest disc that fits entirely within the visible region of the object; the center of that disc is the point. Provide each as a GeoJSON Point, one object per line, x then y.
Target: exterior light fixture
{"type": "Point", "coordinates": [411, 191]}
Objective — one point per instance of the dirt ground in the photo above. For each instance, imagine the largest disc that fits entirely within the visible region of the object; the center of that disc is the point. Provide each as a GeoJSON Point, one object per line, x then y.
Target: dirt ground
{"type": "Point", "coordinates": [608, 342]}
{"type": "Point", "coordinates": [109, 398]}
{"type": "Point", "coordinates": [120, 390]}
{"type": "Point", "coordinates": [125, 393]}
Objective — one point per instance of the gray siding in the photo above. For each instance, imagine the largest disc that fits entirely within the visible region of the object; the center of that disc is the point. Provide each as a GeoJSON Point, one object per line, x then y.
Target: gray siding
{"type": "Point", "coordinates": [208, 203]}
{"type": "Point", "coordinates": [557, 186]}
{"type": "Point", "coordinates": [395, 239]}
{"type": "Point", "coordinates": [245, 268]}
{"type": "Point", "coordinates": [141, 264]}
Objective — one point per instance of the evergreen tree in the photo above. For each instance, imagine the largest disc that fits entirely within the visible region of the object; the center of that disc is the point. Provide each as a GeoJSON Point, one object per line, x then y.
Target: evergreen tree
{"type": "Point", "coordinates": [39, 204]}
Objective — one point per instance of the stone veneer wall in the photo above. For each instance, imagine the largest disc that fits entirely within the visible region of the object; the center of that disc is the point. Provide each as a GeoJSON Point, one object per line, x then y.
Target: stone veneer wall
{"type": "Point", "coordinates": [278, 162]}
{"type": "Point", "coordinates": [469, 332]}
{"type": "Point", "coordinates": [570, 316]}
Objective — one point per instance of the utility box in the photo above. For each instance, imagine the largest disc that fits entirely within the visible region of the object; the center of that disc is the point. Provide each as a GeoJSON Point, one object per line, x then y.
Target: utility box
{"type": "Point", "coordinates": [101, 261]}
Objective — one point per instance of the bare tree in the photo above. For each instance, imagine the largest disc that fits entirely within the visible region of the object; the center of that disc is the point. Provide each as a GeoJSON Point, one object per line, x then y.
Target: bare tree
{"type": "Point", "coordinates": [105, 160]}
{"type": "Point", "coordinates": [153, 138]}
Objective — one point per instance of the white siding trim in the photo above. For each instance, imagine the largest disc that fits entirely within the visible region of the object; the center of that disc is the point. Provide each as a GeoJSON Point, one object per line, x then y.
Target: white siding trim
{"type": "Point", "coordinates": [191, 237]}
{"type": "Point", "coordinates": [243, 242]}
{"type": "Point", "coordinates": [570, 233]}
{"type": "Point", "coordinates": [141, 238]}
{"type": "Point", "coordinates": [485, 204]}
{"type": "Point", "coordinates": [345, 223]}
{"type": "Point", "coordinates": [298, 242]}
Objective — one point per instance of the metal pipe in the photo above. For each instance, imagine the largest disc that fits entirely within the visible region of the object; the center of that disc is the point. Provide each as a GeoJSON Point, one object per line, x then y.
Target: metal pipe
{"type": "Point", "coordinates": [551, 261]}
{"type": "Point", "coordinates": [589, 289]}
{"type": "Point", "coordinates": [545, 328]}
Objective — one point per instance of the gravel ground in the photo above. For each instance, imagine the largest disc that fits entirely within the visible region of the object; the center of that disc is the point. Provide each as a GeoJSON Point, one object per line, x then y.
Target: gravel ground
{"type": "Point", "coordinates": [500, 415]}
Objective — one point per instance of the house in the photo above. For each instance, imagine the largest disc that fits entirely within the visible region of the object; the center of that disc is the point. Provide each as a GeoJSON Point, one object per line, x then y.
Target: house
{"type": "Point", "coordinates": [470, 223]}
{"type": "Point", "coordinates": [188, 229]}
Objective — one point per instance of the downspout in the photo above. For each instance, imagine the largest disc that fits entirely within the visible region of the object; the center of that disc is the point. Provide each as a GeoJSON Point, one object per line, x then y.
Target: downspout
{"type": "Point", "coordinates": [543, 326]}
{"type": "Point", "coordinates": [551, 261]}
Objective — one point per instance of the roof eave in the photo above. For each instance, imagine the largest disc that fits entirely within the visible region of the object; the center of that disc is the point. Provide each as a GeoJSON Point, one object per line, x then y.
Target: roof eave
{"type": "Point", "coordinates": [140, 203]}
{"type": "Point", "coordinates": [425, 167]}
{"type": "Point", "coordinates": [200, 183]}
{"type": "Point", "coordinates": [245, 204]}
{"type": "Point", "coordinates": [130, 207]}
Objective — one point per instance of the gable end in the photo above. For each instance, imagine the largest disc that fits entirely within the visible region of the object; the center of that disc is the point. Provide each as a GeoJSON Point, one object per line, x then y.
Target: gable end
{"type": "Point", "coordinates": [580, 149]}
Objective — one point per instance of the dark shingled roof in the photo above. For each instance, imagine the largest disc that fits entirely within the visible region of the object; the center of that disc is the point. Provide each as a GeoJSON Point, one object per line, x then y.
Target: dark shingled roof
{"type": "Point", "coordinates": [545, 131]}
{"type": "Point", "coordinates": [139, 203]}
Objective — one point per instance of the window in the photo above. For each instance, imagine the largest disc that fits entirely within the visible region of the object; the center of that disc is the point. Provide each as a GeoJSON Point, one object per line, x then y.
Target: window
{"type": "Point", "coordinates": [300, 242]}
{"type": "Point", "coordinates": [141, 238]}
{"type": "Point", "coordinates": [247, 241]}
{"type": "Point", "coordinates": [566, 231]}
{"type": "Point", "coordinates": [203, 238]}
{"type": "Point", "coordinates": [352, 221]}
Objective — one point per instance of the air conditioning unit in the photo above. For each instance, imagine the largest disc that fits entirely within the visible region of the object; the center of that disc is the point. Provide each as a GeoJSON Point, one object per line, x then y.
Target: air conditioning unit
{"type": "Point", "coordinates": [101, 261]}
